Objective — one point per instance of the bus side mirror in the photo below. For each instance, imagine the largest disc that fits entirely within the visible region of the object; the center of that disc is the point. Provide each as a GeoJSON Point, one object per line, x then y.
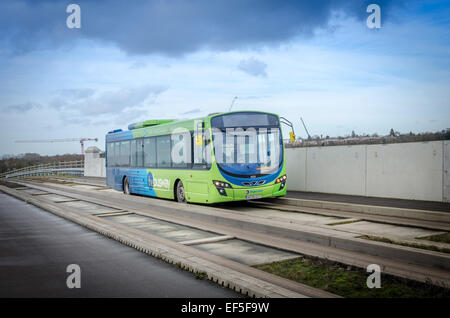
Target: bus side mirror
{"type": "Point", "coordinates": [292, 136]}
{"type": "Point", "coordinates": [199, 135]}
{"type": "Point", "coordinates": [198, 140]}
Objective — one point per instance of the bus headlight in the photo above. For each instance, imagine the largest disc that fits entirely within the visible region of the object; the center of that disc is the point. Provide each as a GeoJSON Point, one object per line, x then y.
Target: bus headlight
{"type": "Point", "coordinates": [220, 186]}
{"type": "Point", "coordinates": [281, 179]}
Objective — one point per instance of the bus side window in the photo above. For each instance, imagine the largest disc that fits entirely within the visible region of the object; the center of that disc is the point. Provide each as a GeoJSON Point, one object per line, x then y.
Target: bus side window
{"type": "Point", "coordinates": [133, 153]}
{"type": "Point", "coordinates": [163, 151]}
{"type": "Point", "coordinates": [110, 154]}
{"type": "Point", "coordinates": [201, 158]}
{"type": "Point", "coordinates": [139, 152]}
{"type": "Point", "coordinates": [114, 154]}
{"type": "Point", "coordinates": [118, 154]}
{"type": "Point", "coordinates": [150, 152]}
{"type": "Point", "coordinates": [181, 150]}
{"type": "Point", "coordinates": [125, 153]}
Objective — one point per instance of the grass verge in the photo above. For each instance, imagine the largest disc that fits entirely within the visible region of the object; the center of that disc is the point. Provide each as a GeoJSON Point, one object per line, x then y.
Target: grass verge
{"type": "Point", "coordinates": [421, 246]}
{"type": "Point", "coordinates": [348, 281]}
{"type": "Point", "coordinates": [10, 184]}
{"type": "Point", "coordinates": [441, 238]}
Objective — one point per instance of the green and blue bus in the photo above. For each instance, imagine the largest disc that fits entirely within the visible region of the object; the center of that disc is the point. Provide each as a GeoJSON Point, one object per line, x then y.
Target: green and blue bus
{"type": "Point", "coordinates": [218, 158]}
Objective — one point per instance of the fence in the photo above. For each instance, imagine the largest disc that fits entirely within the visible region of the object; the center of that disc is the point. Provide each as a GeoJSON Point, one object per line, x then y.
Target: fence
{"type": "Point", "coordinates": [73, 168]}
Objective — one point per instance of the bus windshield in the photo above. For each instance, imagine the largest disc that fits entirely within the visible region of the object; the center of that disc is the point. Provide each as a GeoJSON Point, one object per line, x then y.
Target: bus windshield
{"type": "Point", "coordinates": [243, 149]}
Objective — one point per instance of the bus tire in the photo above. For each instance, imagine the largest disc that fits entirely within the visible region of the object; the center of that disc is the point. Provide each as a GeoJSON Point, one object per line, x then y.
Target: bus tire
{"type": "Point", "coordinates": [180, 193]}
{"type": "Point", "coordinates": [126, 186]}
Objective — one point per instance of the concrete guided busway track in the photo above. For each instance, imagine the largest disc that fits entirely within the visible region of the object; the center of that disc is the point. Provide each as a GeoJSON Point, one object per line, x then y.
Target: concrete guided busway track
{"type": "Point", "coordinates": [428, 215]}
{"type": "Point", "coordinates": [240, 233]}
{"type": "Point", "coordinates": [183, 245]}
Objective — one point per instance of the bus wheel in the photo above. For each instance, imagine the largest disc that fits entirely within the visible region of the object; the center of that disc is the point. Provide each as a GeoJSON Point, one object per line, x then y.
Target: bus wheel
{"type": "Point", "coordinates": [126, 186]}
{"type": "Point", "coordinates": [181, 196]}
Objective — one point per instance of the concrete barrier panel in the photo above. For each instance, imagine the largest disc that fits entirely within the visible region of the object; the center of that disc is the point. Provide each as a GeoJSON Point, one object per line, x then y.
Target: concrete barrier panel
{"type": "Point", "coordinates": [94, 165]}
{"type": "Point", "coordinates": [415, 170]}
{"type": "Point", "coordinates": [296, 168]}
{"type": "Point", "coordinates": [446, 176]}
{"type": "Point", "coordinates": [337, 169]}
{"type": "Point", "coordinates": [407, 170]}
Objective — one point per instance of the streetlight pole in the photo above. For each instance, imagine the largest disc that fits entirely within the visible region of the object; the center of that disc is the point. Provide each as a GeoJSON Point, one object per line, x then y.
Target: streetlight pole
{"type": "Point", "coordinates": [232, 103]}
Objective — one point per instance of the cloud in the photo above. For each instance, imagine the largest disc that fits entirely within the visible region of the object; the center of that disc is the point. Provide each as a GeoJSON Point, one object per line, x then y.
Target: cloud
{"type": "Point", "coordinates": [253, 97]}
{"type": "Point", "coordinates": [76, 93]}
{"type": "Point", "coordinates": [85, 107]}
{"type": "Point", "coordinates": [172, 27]}
{"type": "Point", "coordinates": [66, 97]}
{"type": "Point", "coordinates": [107, 102]}
{"type": "Point", "coordinates": [253, 67]}
{"type": "Point", "coordinates": [117, 100]}
{"type": "Point", "coordinates": [58, 102]}
{"type": "Point", "coordinates": [21, 108]}
{"type": "Point", "coordinates": [192, 111]}
{"type": "Point", "coordinates": [138, 65]}
{"type": "Point", "coordinates": [131, 115]}
{"type": "Point", "coordinates": [75, 120]}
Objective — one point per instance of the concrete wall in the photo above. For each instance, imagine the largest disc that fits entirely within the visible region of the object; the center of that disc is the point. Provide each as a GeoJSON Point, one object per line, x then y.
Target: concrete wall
{"type": "Point", "coordinates": [446, 176]}
{"type": "Point", "coordinates": [336, 169]}
{"type": "Point", "coordinates": [94, 166]}
{"type": "Point", "coordinates": [418, 170]}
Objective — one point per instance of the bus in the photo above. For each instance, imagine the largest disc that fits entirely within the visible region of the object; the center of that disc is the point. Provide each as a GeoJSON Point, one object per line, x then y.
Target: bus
{"type": "Point", "coordinates": [222, 157]}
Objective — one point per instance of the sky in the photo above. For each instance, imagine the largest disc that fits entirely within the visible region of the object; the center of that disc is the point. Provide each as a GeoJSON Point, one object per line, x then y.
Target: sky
{"type": "Point", "coordinates": [155, 59]}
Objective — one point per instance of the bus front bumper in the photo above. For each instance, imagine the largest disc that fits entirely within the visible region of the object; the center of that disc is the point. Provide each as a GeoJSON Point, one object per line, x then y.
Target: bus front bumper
{"type": "Point", "coordinates": [251, 193]}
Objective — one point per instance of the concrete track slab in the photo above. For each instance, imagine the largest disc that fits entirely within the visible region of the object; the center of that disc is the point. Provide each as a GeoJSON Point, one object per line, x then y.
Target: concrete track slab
{"type": "Point", "coordinates": [385, 230]}
{"type": "Point", "coordinates": [323, 221]}
{"type": "Point", "coordinates": [389, 202]}
{"type": "Point", "coordinates": [88, 207]}
{"type": "Point", "coordinates": [300, 218]}
{"type": "Point", "coordinates": [412, 218]}
{"type": "Point", "coordinates": [85, 186]}
{"type": "Point", "coordinates": [171, 231]}
{"type": "Point", "coordinates": [55, 197]}
{"type": "Point", "coordinates": [32, 191]}
{"type": "Point", "coordinates": [245, 252]}
{"type": "Point", "coordinates": [108, 190]}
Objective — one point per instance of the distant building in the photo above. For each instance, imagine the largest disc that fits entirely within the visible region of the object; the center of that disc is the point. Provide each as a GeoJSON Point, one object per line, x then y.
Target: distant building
{"type": "Point", "coordinates": [94, 162]}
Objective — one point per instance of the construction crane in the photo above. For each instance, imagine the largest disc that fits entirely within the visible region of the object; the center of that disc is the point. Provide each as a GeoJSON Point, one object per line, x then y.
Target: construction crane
{"type": "Point", "coordinates": [80, 140]}
{"type": "Point", "coordinates": [309, 136]}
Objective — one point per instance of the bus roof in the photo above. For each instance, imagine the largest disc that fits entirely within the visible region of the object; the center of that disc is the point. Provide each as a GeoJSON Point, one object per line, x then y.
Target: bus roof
{"type": "Point", "coordinates": [164, 126]}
